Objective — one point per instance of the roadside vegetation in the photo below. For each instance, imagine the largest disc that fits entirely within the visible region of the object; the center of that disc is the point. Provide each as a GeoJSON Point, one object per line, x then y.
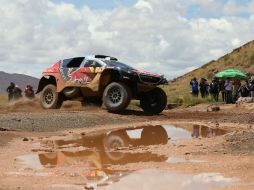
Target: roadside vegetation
{"type": "Point", "coordinates": [184, 96]}
{"type": "Point", "coordinates": [3, 99]}
{"type": "Point", "coordinates": [178, 90]}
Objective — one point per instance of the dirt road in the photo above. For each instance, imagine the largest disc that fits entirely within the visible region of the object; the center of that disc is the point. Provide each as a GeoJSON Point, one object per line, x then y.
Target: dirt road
{"type": "Point", "coordinates": [66, 149]}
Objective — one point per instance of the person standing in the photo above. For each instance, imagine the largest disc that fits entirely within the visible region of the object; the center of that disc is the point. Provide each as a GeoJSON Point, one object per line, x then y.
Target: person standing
{"type": "Point", "coordinates": [252, 88]}
{"type": "Point", "coordinates": [203, 88]}
{"type": "Point", "coordinates": [222, 89]}
{"type": "Point", "coordinates": [214, 90]}
{"type": "Point", "coordinates": [17, 93]}
{"type": "Point", "coordinates": [29, 92]}
{"type": "Point", "coordinates": [236, 87]}
{"type": "Point", "coordinates": [244, 90]}
{"type": "Point", "coordinates": [228, 91]}
{"type": "Point", "coordinates": [194, 87]}
{"type": "Point", "coordinates": [10, 91]}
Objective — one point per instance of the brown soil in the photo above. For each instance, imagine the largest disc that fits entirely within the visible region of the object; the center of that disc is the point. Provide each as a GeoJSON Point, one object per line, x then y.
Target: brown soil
{"type": "Point", "coordinates": [23, 124]}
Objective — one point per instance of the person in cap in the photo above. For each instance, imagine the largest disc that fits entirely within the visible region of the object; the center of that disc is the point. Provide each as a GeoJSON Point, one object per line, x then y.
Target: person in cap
{"type": "Point", "coordinates": [10, 91]}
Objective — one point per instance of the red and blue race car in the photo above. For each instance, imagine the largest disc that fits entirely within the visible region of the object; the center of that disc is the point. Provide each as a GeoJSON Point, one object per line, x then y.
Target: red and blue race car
{"type": "Point", "coordinates": [101, 79]}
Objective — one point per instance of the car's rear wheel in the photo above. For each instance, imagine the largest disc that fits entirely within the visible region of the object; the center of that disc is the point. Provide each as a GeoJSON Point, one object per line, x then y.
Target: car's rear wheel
{"type": "Point", "coordinates": [116, 96]}
{"type": "Point", "coordinates": [50, 98]}
{"type": "Point", "coordinates": [154, 101]}
{"type": "Point", "coordinates": [154, 135]}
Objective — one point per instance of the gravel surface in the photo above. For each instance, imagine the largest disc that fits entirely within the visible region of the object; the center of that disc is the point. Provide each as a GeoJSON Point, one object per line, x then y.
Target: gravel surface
{"type": "Point", "coordinates": [55, 121]}
{"type": "Point", "coordinates": [241, 142]}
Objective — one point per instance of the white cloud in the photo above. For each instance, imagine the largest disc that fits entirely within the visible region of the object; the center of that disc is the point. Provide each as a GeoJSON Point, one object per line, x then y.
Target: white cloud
{"type": "Point", "coordinates": [151, 35]}
{"type": "Point", "coordinates": [236, 42]}
{"type": "Point", "coordinates": [142, 4]}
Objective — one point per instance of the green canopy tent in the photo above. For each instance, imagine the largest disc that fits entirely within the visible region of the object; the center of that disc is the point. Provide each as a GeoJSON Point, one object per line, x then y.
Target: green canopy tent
{"type": "Point", "coordinates": [231, 73]}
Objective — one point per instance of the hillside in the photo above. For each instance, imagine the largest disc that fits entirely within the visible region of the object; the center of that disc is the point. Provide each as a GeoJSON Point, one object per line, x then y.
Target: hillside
{"type": "Point", "coordinates": [19, 79]}
{"type": "Point", "coordinates": [241, 58]}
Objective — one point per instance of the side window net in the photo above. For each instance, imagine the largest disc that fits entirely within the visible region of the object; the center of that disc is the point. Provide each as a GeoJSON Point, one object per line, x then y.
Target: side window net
{"type": "Point", "coordinates": [75, 62]}
{"type": "Point", "coordinates": [91, 63]}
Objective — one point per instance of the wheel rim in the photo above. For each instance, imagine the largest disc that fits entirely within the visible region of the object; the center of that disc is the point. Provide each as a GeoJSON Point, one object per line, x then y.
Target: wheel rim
{"type": "Point", "coordinates": [153, 101]}
{"type": "Point", "coordinates": [115, 144]}
{"type": "Point", "coordinates": [112, 149]}
{"type": "Point", "coordinates": [49, 97]}
{"type": "Point", "coordinates": [115, 95]}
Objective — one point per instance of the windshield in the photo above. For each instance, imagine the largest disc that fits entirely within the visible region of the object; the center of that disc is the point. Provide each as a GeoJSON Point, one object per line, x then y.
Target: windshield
{"type": "Point", "coordinates": [118, 64]}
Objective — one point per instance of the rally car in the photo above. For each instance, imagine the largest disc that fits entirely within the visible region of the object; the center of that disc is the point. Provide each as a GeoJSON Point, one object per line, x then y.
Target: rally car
{"type": "Point", "coordinates": [101, 79]}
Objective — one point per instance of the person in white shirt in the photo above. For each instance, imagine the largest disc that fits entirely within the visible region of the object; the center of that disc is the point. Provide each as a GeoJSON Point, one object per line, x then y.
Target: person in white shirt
{"type": "Point", "coordinates": [228, 91]}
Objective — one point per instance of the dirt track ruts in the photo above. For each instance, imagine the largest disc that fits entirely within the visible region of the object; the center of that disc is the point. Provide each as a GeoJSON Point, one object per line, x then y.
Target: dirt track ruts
{"type": "Point", "coordinates": [58, 120]}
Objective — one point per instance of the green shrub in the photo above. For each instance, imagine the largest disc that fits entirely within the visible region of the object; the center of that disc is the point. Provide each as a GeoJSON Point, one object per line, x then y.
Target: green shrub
{"type": "Point", "coordinates": [177, 100]}
{"type": "Point", "coordinates": [192, 101]}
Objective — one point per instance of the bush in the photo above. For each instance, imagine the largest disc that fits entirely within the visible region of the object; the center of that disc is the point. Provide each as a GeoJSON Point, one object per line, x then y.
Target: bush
{"type": "Point", "coordinates": [189, 100]}
{"type": "Point", "coordinates": [192, 101]}
{"type": "Point", "coordinates": [177, 100]}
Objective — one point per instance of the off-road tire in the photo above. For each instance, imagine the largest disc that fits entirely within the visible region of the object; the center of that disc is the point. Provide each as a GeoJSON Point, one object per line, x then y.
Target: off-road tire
{"type": "Point", "coordinates": [116, 97]}
{"type": "Point", "coordinates": [112, 142]}
{"type": "Point", "coordinates": [50, 99]}
{"type": "Point", "coordinates": [153, 101]}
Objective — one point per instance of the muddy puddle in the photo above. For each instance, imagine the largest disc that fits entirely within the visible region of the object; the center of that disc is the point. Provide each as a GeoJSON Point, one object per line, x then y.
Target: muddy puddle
{"type": "Point", "coordinates": [91, 161]}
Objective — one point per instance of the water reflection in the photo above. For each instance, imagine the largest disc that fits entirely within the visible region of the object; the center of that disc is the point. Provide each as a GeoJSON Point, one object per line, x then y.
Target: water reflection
{"type": "Point", "coordinates": [93, 156]}
{"type": "Point", "coordinates": [105, 149]}
{"type": "Point", "coordinates": [95, 159]}
{"type": "Point", "coordinates": [100, 152]}
{"type": "Point", "coordinates": [206, 132]}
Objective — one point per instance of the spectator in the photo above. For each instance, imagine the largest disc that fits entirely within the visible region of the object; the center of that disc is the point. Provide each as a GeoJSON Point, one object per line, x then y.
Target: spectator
{"type": "Point", "coordinates": [228, 91]}
{"type": "Point", "coordinates": [17, 93]}
{"type": "Point", "coordinates": [214, 90]}
{"type": "Point", "coordinates": [252, 88]}
{"type": "Point", "coordinates": [244, 90]}
{"type": "Point", "coordinates": [10, 91]}
{"type": "Point", "coordinates": [236, 87]}
{"type": "Point", "coordinates": [29, 92]}
{"type": "Point", "coordinates": [222, 89]}
{"type": "Point", "coordinates": [194, 87]}
{"type": "Point", "coordinates": [203, 87]}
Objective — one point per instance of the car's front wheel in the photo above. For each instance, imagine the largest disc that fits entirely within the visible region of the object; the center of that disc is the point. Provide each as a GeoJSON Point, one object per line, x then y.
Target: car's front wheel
{"type": "Point", "coordinates": [50, 98]}
{"type": "Point", "coordinates": [154, 101]}
{"type": "Point", "coordinates": [116, 97]}
{"type": "Point", "coordinates": [112, 143]}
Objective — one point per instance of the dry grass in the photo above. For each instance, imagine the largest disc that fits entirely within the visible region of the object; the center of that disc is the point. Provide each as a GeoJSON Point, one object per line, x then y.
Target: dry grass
{"type": "Point", "coordinates": [3, 99]}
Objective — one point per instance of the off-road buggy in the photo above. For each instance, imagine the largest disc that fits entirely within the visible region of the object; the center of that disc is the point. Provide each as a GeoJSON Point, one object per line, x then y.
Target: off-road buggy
{"type": "Point", "coordinates": [101, 79]}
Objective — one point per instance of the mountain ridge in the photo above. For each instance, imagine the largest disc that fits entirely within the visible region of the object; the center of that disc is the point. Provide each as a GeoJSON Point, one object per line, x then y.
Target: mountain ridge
{"type": "Point", "coordinates": [19, 79]}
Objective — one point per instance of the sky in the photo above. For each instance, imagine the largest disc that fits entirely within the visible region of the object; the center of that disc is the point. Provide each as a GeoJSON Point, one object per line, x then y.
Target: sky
{"type": "Point", "coordinates": [170, 37]}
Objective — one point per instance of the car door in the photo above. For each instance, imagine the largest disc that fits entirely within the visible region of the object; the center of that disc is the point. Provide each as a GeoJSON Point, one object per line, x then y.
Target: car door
{"type": "Point", "coordinates": [70, 68]}
{"type": "Point", "coordinates": [86, 73]}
